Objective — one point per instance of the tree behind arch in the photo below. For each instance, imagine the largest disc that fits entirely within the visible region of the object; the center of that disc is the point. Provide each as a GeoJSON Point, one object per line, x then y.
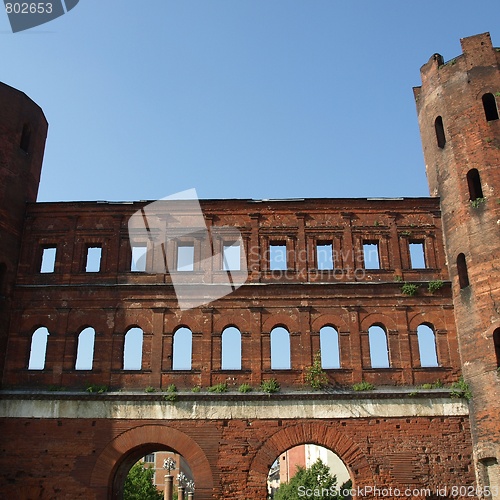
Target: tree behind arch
{"type": "Point", "coordinates": [139, 484]}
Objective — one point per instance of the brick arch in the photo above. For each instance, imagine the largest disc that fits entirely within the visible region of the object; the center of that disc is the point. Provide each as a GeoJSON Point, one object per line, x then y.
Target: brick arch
{"type": "Point", "coordinates": [113, 459]}
{"type": "Point", "coordinates": [378, 319]}
{"type": "Point", "coordinates": [435, 321]}
{"type": "Point", "coordinates": [232, 319]}
{"type": "Point", "coordinates": [319, 433]}
{"type": "Point", "coordinates": [283, 320]}
{"type": "Point", "coordinates": [335, 320]}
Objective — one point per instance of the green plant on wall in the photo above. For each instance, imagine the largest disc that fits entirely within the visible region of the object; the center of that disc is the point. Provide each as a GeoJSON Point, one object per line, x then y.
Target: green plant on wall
{"type": "Point", "coordinates": [270, 386]}
{"type": "Point", "coordinates": [409, 289]}
{"type": "Point", "coordinates": [461, 389]}
{"type": "Point", "coordinates": [434, 286]}
{"type": "Point", "coordinates": [477, 202]}
{"type": "Point", "coordinates": [315, 376]}
{"type": "Point", "coordinates": [363, 386]}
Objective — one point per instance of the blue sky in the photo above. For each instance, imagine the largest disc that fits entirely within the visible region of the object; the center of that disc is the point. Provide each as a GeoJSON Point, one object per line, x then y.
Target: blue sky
{"type": "Point", "coordinates": [236, 98]}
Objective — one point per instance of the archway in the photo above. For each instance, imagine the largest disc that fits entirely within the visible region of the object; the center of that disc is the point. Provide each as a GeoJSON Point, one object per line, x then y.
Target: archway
{"type": "Point", "coordinates": [308, 465]}
{"type": "Point", "coordinates": [125, 450]}
{"type": "Point", "coordinates": [319, 433]}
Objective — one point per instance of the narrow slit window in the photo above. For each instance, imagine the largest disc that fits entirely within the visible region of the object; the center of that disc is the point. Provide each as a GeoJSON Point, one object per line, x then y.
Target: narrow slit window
{"type": "Point", "coordinates": [496, 343]}
{"type": "Point", "coordinates": [280, 349]}
{"type": "Point", "coordinates": [324, 256]}
{"type": "Point", "coordinates": [440, 135]}
{"type": "Point", "coordinates": [139, 255]}
{"type": "Point", "coordinates": [3, 270]}
{"type": "Point", "coordinates": [277, 257]}
{"type": "Point", "coordinates": [231, 257]}
{"type": "Point", "coordinates": [48, 260]}
{"type": "Point", "coordinates": [93, 261]}
{"type": "Point", "coordinates": [379, 352]}
{"type": "Point", "coordinates": [182, 349]}
{"type": "Point", "coordinates": [463, 275]}
{"type": "Point", "coordinates": [417, 255]}
{"type": "Point", "coordinates": [38, 350]}
{"type": "Point", "coordinates": [85, 349]}
{"type": "Point", "coordinates": [24, 144]}
{"type": "Point", "coordinates": [231, 349]}
{"type": "Point", "coordinates": [132, 349]}
{"type": "Point", "coordinates": [370, 255]}
{"type": "Point", "coordinates": [427, 346]}
{"type": "Point", "coordinates": [185, 258]}
{"type": "Point", "coordinates": [474, 184]}
{"type": "Point", "coordinates": [329, 345]}
{"type": "Point", "coordinates": [490, 107]}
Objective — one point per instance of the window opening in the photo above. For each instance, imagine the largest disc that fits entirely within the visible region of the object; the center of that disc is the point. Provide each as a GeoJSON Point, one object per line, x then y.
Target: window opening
{"type": "Point", "coordinates": [417, 255]}
{"type": "Point", "coordinates": [427, 346]}
{"type": "Point", "coordinates": [474, 184]}
{"type": "Point", "coordinates": [280, 349]}
{"type": "Point", "coordinates": [182, 349]}
{"type": "Point", "coordinates": [370, 255]}
{"type": "Point", "coordinates": [440, 135]}
{"type": "Point", "coordinates": [48, 260]}
{"type": "Point", "coordinates": [379, 352]}
{"type": "Point", "coordinates": [231, 257]}
{"type": "Point", "coordinates": [132, 349]}
{"type": "Point", "coordinates": [138, 262]}
{"type": "Point", "coordinates": [463, 275]}
{"type": "Point", "coordinates": [329, 344]}
{"type": "Point", "coordinates": [25, 138]}
{"type": "Point", "coordinates": [38, 350]}
{"type": "Point", "coordinates": [231, 349]}
{"type": "Point", "coordinates": [496, 343]}
{"type": "Point", "coordinates": [277, 257]}
{"type": "Point", "coordinates": [490, 107]}
{"type": "Point", "coordinates": [93, 261]}
{"type": "Point", "coordinates": [185, 258]}
{"type": "Point", "coordinates": [85, 350]}
{"type": "Point", "coordinates": [324, 256]}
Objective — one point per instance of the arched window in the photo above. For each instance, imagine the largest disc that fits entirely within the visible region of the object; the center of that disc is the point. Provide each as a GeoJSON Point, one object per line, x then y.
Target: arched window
{"type": "Point", "coordinates": [463, 275]}
{"type": "Point", "coordinates": [440, 136]}
{"type": "Point", "coordinates": [132, 349]}
{"type": "Point", "coordinates": [231, 349]}
{"type": "Point", "coordinates": [427, 346]}
{"type": "Point", "coordinates": [85, 350]}
{"type": "Point", "coordinates": [379, 352]}
{"type": "Point", "coordinates": [38, 351]}
{"type": "Point", "coordinates": [329, 344]}
{"type": "Point", "coordinates": [280, 349]}
{"type": "Point", "coordinates": [24, 143]}
{"type": "Point", "coordinates": [183, 348]}
{"type": "Point", "coordinates": [474, 184]}
{"type": "Point", "coordinates": [490, 107]}
{"type": "Point", "coordinates": [496, 343]}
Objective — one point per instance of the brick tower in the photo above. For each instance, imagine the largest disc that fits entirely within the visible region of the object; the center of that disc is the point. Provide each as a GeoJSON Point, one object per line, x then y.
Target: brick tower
{"type": "Point", "coordinates": [23, 130]}
{"type": "Point", "coordinates": [458, 111]}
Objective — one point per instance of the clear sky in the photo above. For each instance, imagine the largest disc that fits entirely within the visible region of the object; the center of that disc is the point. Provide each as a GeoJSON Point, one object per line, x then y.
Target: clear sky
{"type": "Point", "coordinates": [236, 98]}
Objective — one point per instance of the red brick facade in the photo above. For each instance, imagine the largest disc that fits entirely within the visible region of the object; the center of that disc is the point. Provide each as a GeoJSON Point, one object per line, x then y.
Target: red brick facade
{"type": "Point", "coordinates": [59, 441]}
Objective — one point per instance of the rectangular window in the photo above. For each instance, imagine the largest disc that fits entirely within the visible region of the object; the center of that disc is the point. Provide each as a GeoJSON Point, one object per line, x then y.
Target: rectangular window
{"type": "Point", "coordinates": [370, 255]}
{"type": "Point", "coordinates": [185, 258]}
{"type": "Point", "coordinates": [48, 260]}
{"type": "Point", "coordinates": [277, 257]}
{"type": "Point", "coordinates": [93, 262]}
{"type": "Point", "coordinates": [324, 256]}
{"type": "Point", "coordinates": [417, 255]}
{"type": "Point", "coordinates": [150, 458]}
{"type": "Point", "coordinates": [139, 254]}
{"type": "Point", "coordinates": [231, 257]}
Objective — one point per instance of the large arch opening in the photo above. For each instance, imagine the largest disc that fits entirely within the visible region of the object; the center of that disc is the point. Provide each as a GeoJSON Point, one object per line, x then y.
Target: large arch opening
{"type": "Point", "coordinates": [146, 475]}
{"type": "Point", "coordinates": [119, 456]}
{"type": "Point", "coordinates": [308, 470]}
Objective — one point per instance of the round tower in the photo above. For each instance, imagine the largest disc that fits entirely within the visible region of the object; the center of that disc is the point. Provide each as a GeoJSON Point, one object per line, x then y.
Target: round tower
{"type": "Point", "coordinates": [458, 111]}
{"type": "Point", "coordinates": [23, 130]}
